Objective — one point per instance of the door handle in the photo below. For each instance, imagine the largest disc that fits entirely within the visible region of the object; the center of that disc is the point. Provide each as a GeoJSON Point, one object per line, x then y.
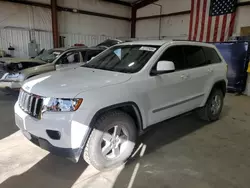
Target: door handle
{"type": "Point", "coordinates": [210, 70]}
{"type": "Point", "coordinates": [184, 76]}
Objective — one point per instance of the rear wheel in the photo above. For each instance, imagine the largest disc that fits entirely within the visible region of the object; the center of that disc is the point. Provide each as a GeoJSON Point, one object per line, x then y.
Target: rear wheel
{"type": "Point", "coordinates": [112, 141]}
{"type": "Point", "coordinates": [213, 107]}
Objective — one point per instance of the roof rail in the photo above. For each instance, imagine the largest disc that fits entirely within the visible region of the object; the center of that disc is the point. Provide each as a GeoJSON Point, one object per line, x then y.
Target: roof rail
{"type": "Point", "coordinates": [185, 40]}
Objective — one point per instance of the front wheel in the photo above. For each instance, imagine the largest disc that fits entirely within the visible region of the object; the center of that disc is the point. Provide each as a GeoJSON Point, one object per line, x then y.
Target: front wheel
{"type": "Point", "coordinates": [213, 107]}
{"type": "Point", "coordinates": [111, 141]}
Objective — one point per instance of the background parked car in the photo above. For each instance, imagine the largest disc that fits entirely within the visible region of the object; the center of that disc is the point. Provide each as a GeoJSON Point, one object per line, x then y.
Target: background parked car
{"type": "Point", "coordinates": [11, 65]}
{"type": "Point", "coordinates": [18, 70]}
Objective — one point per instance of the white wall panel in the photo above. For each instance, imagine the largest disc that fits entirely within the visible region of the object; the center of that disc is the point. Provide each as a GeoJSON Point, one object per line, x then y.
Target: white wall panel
{"type": "Point", "coordinates": [174, 27]}
{"type": "Point", "coordinates": [171, 27]}
{"type": "Point", "coordinates": [44, 39]}
{"type": "Point", "coordinates": [19, 39]}
{"type": "Point", "coordinates": [168, 6]}
{"type": "Point", "coordinates": [24, 16]}
{"type": "Point", "coordinates": [242, 19]}
{"type": "Point", "coordinates": [147, 28]}
{"type": "Point", "coordinates": [16, 38]}
{"type": "Point", "coordinates": [92, 25]}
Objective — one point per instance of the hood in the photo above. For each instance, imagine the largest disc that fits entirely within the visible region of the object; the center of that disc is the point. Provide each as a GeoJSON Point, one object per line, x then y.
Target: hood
{"type": "Point", "coordinates": [19, 60]}
{"type": "Point", "coordinates": [16, 65]}
{"type": "Point", "coordinates": [4, 59]}
{"type": "Point", "coordinates": [69, 83]}
{"type": "Point", "coordinates": [38, 69]}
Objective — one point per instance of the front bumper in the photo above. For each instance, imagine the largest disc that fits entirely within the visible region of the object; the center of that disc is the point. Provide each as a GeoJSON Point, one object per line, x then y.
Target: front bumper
{"type": "Point", "coordinates": [10, 87]}
{"type": "Point", "coordinates": [62, 152]}
{"type": "Point", "coordinates": [73, 134]}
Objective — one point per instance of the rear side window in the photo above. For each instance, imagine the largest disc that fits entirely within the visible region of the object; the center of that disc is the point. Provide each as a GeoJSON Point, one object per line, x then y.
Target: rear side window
{"type": "Point", "coordinates": [174, 54]}
{"type": "Point", "coordinates": [195, 56]}
{"type": "Point", "coordinates": [211, 55]}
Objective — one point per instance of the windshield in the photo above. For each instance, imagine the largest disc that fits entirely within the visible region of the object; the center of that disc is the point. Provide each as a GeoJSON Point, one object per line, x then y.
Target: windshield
{"type": "Point", "coordinates": [49, 55]}
{"type": "Point", "coordinates": [127, 58]}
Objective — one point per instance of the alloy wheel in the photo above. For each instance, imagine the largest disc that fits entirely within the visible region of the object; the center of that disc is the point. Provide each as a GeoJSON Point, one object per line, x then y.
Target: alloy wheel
{"type": "Point", "coordinates": [215, 104]}
{"type": "Point", "coordinates": [114, 142]}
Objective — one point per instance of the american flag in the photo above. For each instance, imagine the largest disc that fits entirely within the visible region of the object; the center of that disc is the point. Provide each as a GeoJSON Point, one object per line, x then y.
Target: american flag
{"type": "Point", "coordinates": [212, 20]}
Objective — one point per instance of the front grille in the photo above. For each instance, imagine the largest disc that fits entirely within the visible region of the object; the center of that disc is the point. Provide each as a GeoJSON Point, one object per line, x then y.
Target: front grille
{"type": "Point", "coordinates": [30, 103]}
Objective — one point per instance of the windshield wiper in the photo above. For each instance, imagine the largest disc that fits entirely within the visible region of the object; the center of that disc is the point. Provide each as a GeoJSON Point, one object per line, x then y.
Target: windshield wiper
{"type": "Point", "coordinates": [87, 66]}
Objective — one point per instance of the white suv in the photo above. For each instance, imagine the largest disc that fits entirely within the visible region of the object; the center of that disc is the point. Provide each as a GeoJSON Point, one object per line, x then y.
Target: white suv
{"type": "Point", "coordinates": [101, 107]}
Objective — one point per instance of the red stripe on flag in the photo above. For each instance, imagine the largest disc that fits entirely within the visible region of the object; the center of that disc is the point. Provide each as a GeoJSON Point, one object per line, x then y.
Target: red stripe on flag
{"type": "Point", "coordinates": [231, 27]}
{"type": "Point", "coordinates": [216, 27]}
{"type": "Point", "coordinates": [197, 19]}
{"type": "Point", "coordinates": [209, 28]}
{"type": "Point", "coordinates": [223, 30]}
{"type": "Point", "coordinates": [191, 20]}
{"type": "Point", "coordinates": [204, 12]}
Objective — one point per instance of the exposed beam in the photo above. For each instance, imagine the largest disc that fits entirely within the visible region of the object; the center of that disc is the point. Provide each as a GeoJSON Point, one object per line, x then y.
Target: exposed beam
{"type": "Point", "coordinates": [164, 15]}
{"type": "Point", "coordinates": [28, 3]}
{"type": "Point", "coordinates": [92, 13]}
{"type": "Point", "coordinates": [118, 2]}
{"type": "Point", "coordinates": [143, 3]}
{"type": "Point", "coordinates": [239, 4]}
{"type": "Point", "coordinates": [54, 23]}
{"type": "Point", "coordinates": [133, 22]}
{"type": "Point", "coordinates": [69, 9]}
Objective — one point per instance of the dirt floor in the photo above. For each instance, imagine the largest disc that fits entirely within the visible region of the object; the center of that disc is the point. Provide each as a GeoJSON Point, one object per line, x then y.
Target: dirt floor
{"type": "Point", "coordinates": [181, 153]}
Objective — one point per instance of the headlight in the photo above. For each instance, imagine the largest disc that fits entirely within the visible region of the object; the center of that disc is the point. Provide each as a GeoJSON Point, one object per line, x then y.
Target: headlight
{"type": "Point", "coordinates": [61, 105]}
{"type": "Point", "coordinates": [17, 77]}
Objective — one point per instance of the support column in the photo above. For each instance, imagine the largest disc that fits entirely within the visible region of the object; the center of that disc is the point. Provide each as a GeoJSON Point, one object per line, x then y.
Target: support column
{"type": "Point", "coordinates": [133, 22]}
{"type": "Point", "coordinates": [54, 23]}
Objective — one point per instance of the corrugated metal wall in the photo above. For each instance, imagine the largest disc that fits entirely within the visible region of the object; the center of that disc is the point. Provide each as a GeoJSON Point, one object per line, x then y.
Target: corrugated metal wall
{"type": "Point", "coordinates": [44, 39]}
{"type": "Point", "coordinates": [89, 40]}
{"type": "Point", "coordinates": [19, 39]}
{"type": "Point", "coordinates": [20, 23]}
{"type": "Point", "coordinates": [16, 38]}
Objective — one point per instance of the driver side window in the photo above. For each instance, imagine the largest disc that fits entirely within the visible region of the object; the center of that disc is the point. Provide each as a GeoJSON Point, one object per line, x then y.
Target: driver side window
{"type": "Point", "coordinates": [69, 58]}
{"type": "Point", "coordinates": [174, 54]}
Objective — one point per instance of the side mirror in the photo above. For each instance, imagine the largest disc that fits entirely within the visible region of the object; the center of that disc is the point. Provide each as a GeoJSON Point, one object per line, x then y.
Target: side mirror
{"type": "Point", "coordinates": [57, 67]}
{"type": "Point", "coordinates": [163, 67]}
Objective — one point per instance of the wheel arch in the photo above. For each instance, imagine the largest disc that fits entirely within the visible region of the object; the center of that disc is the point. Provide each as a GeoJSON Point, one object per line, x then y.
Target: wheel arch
{"type": "Point", "coordinates": [130, 108]}
{"type": "Point", "coordinates": [30, 76]}
{"type": "Point", "coordinates": [222, 85]}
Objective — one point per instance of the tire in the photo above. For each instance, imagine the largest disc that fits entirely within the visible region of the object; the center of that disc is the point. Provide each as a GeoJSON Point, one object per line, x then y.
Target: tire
{"type": "Point", "coordinates": [208, 113]}
{"type": "Point", "coordinates": [102, 137]}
